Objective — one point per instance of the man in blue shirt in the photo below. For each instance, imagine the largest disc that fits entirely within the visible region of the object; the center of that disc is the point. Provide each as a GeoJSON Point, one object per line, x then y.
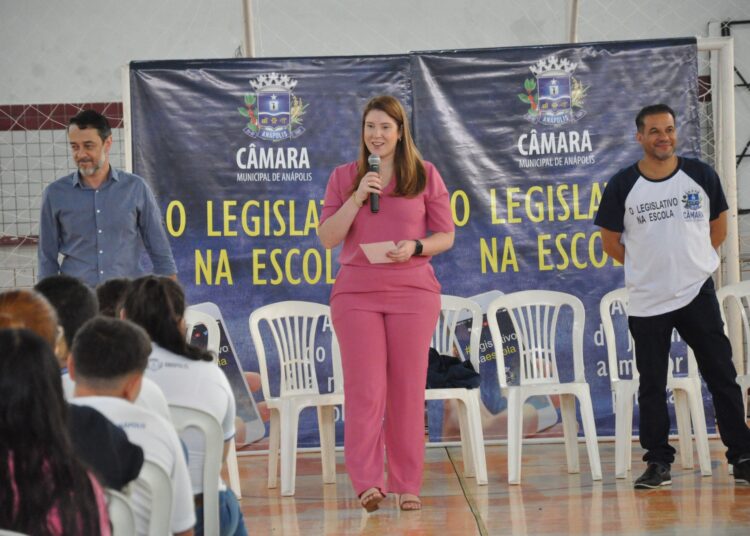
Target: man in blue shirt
{"type": "Point", "coordinates": [98, 218]}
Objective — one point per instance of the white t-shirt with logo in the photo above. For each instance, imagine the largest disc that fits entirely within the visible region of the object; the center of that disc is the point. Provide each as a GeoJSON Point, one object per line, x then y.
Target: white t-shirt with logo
{"type": "Point", "coordinates": [194, 384]}
{"type": "Point", "coordinates": [160, 444]}
{"type": "Point", "coordinates": [665, 226]}
{"type": "Point", "coordinates": [150, 397]}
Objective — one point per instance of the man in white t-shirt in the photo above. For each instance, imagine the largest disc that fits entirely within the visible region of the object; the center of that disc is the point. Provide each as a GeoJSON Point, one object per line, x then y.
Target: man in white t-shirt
{"type": "Point", "coordinates": [663, 218]}
{"type": "Point", "coordinates": [109, 357]}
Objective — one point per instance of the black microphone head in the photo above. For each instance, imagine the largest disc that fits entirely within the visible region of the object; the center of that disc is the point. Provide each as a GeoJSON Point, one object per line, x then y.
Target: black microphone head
{"type": "Point", "coordinates": [374, 162]}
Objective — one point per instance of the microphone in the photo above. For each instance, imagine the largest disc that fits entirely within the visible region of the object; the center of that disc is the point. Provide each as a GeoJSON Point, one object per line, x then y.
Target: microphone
{"type": "Point", "coordinates": [374, 161]}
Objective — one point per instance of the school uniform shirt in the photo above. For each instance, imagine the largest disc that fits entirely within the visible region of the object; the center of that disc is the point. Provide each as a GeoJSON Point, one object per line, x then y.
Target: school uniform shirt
{"type": "Point", "coordinates": [194, 384]}
{"type": "Point", "coordinates": [160, 444]}
{"type": "Point", "coordinates": [150, 397]}
{"type": "Point", "coordinates": [665, 226]}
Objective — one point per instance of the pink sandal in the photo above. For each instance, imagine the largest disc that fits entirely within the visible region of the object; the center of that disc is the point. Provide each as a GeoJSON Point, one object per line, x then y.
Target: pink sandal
{"type": "Point", "coordinates": [371, 499]}
{"type": "Point", "coordinates": [409, 503]}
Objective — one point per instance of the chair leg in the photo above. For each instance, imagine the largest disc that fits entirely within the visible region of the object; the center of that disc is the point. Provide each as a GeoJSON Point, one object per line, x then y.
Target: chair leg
{"type": "Point", "coordinates": [589, 432]}
{"type": "Point", "coordinates": [467, 450]}
{"type": "Point", "coordinates": [233, 470]}
{"type": "Point", "coordinates": [744, 382]}
{"type": "Point", "coordinates": [698, 417]}
{"type": "Point", "coordinates": [682, 416]}
{"type": "Point", "coordinates": [633, 398]}
{"type": "Point", "coordinates": [476, 434]}
{"type": "Point", "coordinates": [273, 448]}
{"type": "Point", "coordinates": [515, 433]}
{"type": "Point", "coordinates": [623, 433]}
{"type": "Point", "coordinates": [327, 430]}
{"type": "Point", "coordinates": [289, 423]}
{"type": "Point", "coordinates": [570, 431]}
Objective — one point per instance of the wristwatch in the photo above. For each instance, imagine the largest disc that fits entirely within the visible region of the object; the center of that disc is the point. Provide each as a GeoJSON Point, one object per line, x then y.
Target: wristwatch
{"type": "Point", "coordinates": [418, 248]}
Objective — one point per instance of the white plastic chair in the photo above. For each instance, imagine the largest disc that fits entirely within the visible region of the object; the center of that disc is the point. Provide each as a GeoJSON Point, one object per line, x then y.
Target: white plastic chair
{"type": "Point", "coordinates": [121, 514]}
{"type": "Point", "coordinates": [154, 486]}
{"type": "Point", "coordinates": [213, 345]}
{"type": "Point", "coordinates": [739, 294]}
{"type": "Point", "coordinates": [293, 326]}
{"type": "Point", "coordinates": [535, 315]}
{"type": "Point", "coordinates": [183, 418]}
{"type": "Point", "coordinates": [468, 400]}
{"type": "Point", "coordinates": [688, 400]}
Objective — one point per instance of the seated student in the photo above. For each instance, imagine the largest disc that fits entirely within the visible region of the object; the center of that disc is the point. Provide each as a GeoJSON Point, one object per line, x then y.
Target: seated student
{"type": "Point", "coordinates": [109, 357]}
{"type": "Point", "coordinates": [76, 303]}
{"type": "Point", "coordinates": [44, 489]}
{"type": "Point", "coordinates": [73, 301]}
{"type": "Point", "coordinates": [101, 445]}
{"type": "Point", "coordinates": [182, 370]}
{"type": "Point", "coordinates": [111, 295]}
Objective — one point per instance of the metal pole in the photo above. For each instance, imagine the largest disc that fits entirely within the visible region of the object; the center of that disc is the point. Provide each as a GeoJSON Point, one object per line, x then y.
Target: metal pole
{"type": "Point", "coordinates": [729, 172]}
{"type": "Point", "coordinates": [573, 22]}
{"type": "Point", "coordinates": [722, 70]}
{"type": "Point", "coordinates": [247, 19]}
{"type": "Point", "coordinates": [127, 136]}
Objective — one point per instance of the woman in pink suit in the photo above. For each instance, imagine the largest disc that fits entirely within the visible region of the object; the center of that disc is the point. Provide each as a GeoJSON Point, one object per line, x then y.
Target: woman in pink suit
{"type": "Point", "coordinates": [384, 313]}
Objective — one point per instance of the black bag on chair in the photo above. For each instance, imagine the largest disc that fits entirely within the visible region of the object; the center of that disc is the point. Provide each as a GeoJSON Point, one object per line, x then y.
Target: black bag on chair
{"type": "Point", "coordinates": [448, 371]}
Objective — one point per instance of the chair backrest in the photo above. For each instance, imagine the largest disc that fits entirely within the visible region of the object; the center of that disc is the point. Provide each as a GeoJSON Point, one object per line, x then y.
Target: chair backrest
{"type": "Point", "coordinates": [737, 294]}
{"type": "Point", "coordinates": [183, 418]}
{"type": "Point", "coordinates": [154, 487]}
{"type": "Point", "coordinates": [535, 315]}
{"type": "Point", "coordinates": [455, 310]}
{"type": "Point", "coordinates": [121, 514]}
{"type": "Point", "coordinates": [194, 318]}
{"type": "Point", "coordinates": [294, 327]}
{"type": "Point", "coordinates": [616, 298]}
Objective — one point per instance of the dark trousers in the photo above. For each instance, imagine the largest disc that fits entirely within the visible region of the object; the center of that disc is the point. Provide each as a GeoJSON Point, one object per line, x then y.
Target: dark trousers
{"type": "Point", "coordinates": [700, 326]}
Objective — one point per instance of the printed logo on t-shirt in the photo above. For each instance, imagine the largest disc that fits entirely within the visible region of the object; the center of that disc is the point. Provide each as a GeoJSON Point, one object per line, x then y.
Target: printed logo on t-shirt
{"type": "Point", "coordinates": [155, 364]}
{"type": "Point", "coordinates": [652, 211]}
{"type": "Point", "coordinates": [691, 203]}
{"type": "Point", "coordinates": [131, 425]}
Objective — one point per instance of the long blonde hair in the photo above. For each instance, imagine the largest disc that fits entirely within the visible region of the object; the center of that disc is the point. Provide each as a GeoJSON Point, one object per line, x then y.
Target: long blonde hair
{"type": "Point", "coordinates": [411, 177]}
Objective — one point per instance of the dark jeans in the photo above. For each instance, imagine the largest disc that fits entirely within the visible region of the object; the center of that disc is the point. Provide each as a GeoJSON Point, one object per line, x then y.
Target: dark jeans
{"type": "Point", "coordinates": [231, 521]}
{"type": "Point", "coordinates": [699, 324]}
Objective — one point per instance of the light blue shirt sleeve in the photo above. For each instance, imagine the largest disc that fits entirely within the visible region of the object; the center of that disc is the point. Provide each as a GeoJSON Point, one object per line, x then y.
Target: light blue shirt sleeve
{"type": "Point", "coordinates": [49, 237]}
{"type": "Point", "coordinates": [154, 236]}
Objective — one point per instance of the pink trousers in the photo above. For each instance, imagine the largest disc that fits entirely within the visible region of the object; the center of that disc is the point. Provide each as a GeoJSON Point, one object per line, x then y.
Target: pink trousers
{"type": "Point", "coordinates": [385, 339]}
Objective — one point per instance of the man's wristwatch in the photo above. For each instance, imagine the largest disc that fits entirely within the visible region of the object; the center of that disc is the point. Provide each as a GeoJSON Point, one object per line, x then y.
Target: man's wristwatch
{"type": "Point", "coordinates": [418, 248]}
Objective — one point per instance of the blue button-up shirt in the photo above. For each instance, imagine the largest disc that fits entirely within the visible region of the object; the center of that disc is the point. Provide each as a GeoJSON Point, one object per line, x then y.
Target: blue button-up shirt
{"type": "Point", "coordinates": [101, 233]}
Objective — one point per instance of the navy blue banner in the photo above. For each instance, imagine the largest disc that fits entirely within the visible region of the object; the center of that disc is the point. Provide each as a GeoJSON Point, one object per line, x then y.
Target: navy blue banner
{"type": "Point", "coordinates": [239, 153]}
{"type": "Point", "coordinates": [526, 139]}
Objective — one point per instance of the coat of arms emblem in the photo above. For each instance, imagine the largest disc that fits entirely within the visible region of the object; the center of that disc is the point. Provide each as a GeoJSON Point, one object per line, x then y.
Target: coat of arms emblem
{"type": "Point", "coordinates": [554, 96]}
{"type": "Point", "coordinates": [273, 112]}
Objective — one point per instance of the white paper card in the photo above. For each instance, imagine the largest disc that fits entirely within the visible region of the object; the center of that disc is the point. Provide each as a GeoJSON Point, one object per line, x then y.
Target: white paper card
{"type": "Point", "coordinates": [376, 251]}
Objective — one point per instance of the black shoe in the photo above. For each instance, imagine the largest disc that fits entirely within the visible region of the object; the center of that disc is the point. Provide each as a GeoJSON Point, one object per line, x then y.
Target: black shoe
{"type": "Point", "coordinates": [742, 472]}
{"type": "Point", "coordinates": [656, 475]}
